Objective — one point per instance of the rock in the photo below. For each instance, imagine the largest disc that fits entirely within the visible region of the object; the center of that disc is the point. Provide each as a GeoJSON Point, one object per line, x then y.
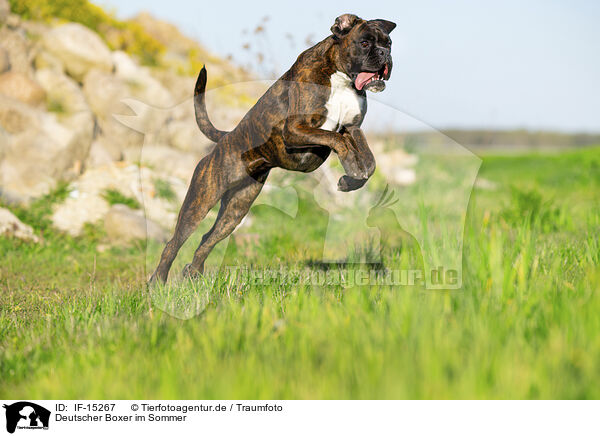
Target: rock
{"type": "Point", "coordinates": [398, 166]}
{"type": "Point", "coordinates": [87, 205]}
{"type": "Point", "coordinates": [166, 33]}
{"type": "Point", "coordinates": [170, 162]}
{"type": "Point", "coordinates": [18, 49]}
{"type": "Point", "coordinates": [123, 224]}
{"type": "Point", "coordinates": [79, 49]}
{"type": "Point", "coordinates": [125, 66]}
{"type": "Point", "coordinates": [20, 87]}
{"type": "Point", "coordinates": [67, 101]}
{"type": "Point", "coordinates": [34, 31]}
{"type": "Point", "coordinates": [180, 48]}
{"type": "Point", "coordinates": [4, 61]}
{"type": "Point", "coordinates": [404, 176]}
{"type": "Point", "coordinates": [16, 117]}
{"type": "Point", "coordinates": [142, 85]}
{"type": "Point", "coordinates": [101, 155]}
{"type": "Point", "coordinates": [175, 126]}
{"type": "Point", "coordinates": [39, 151]}
{"type": "Point", "coordinates": [4, 142]}
{"type": "Point", "coordinates": [104, 93]}
{"type": "Point", "coordinates": [11, 226]}
{"type": "Point", "coordinates": [186, 136]}
{"type": "Point", "coordinates": [46, 60]}
{"type": "Point", "coordinates": [4, 10]}
{"type": "Point", "coordinates": [180, 87]}
{"type": "Point", "coordinates": [62, 91]}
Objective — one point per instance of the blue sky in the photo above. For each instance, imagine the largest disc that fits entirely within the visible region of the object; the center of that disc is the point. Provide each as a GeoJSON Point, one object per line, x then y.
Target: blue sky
{"type": "Point", "coordinates": [472, 64]}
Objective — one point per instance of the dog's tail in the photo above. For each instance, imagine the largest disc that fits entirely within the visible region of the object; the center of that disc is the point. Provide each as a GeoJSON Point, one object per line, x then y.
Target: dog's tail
{"type": "Point", "coordinates": [202, 120]}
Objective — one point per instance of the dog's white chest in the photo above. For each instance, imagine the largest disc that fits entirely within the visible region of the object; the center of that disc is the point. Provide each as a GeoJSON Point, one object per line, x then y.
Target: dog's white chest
{"type": "Point", "coordinates": [344, 104]}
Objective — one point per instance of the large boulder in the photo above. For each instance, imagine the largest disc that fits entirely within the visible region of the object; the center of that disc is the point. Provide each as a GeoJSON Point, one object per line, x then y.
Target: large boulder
{"type": "Point", "coordinates": [104, 93]}
{"type": "Point", "coordinates": [11, 226]}
{"type": "Point", "coordinates": [20, 87]}
{"type": "Point", "coordinates": [79, 49]}
{"type": "Point", "coordinates": [142, 85]}
{"type": "Point", "coordinates": [4, 10]}
{"type": "Point", "coordinates": [43, 59]}
{"type": "Point", "coordinates": [169, 162]}
{"type": "Point", "coordinates": [4, 60]}
{"type": "Point", "coordinates": [4, 142]}
{"type": "Point", "coordinates": [102, 153]}
{"type": "Point", "coordinates": [38, 151]}
{"type": "Point", "coordinates": [123, 224]}
{"type": "Point", "coordinates": [185, 135]}
{"type": "Point", "coordinates": [180, 87]}
{"type": "Point", "coordinates": [18, 49]}
{"type": "Point", "coordinates": [62, 91]}
{"type": "Point", "coordinates": [107, 94]}
{"type": "Point", "coordinates": [67, 101]}
{"type": "Point", "coordinates": [86, 203]}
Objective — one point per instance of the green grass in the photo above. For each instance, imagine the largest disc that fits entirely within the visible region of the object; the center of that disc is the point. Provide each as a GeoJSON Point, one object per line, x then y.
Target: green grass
{"type": "Point", "coordinates": [77, 322]}
{"type": "Point", "coordinates": [37, 214]}
{"type": "Point", "coordinates": [113, 196]}
{"type": "Point", "coordinates": [164, 190]}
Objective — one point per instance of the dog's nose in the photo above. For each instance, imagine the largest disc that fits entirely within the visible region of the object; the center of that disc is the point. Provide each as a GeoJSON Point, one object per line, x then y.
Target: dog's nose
{"type": "Point", "coordinates": [383, 52]}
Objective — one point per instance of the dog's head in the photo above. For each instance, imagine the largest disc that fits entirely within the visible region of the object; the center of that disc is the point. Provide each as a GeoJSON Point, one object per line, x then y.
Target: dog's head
{"type": "Point", "coordinates": [365, 50]}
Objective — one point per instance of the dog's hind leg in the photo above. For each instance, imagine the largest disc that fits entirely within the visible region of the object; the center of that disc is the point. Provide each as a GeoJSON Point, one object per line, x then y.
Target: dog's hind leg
{"type": "Point", "coordinates": [235, 204]}
{"type": "Point", "coordinates": [208, 184]}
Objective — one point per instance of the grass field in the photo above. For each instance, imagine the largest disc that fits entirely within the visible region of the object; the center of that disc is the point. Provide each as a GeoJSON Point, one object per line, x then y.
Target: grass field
{"type": "Point", "coordinates": [77, 322]}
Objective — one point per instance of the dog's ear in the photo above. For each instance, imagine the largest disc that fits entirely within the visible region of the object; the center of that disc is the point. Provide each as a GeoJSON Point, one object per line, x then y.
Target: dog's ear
{"type": "Point", "coordinates": [385, 25]}
{"type": "Point", "coordinates": [343, 24]}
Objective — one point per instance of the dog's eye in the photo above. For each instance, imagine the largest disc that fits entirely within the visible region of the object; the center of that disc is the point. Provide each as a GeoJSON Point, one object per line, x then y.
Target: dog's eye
{"type": "Point", "coordinates": [365, 44]}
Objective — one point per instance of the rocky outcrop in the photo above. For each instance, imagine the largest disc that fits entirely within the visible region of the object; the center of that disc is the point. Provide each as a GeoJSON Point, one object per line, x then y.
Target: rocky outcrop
{"type": "Point", "coordinates": [66, 99]}
{"type": "Point", "coordinates": [73, 110]}
{"type": "Point", "coordinates": [123, 224]}
{"type": "Point", "coordinates": [79, 49]}
{"type": "Point", "coordinates": [4, 10]}
{"type": "Point", "coordinates": [20, 87]}
{"type": "Point", "coordinates": [4, 61]}
{"type": "Point", "coordinates": [86, 203]}
{"type": "Point", "coordinates": [18, 49]}
{"type": "Point", "coordinates": [170, 162]}
{"type": "Point", "coordinates": [102, 152]}
{"type": "Point", "coordinates": [38, 150]}
{"type": "Point", "coordinates": [12, 227]}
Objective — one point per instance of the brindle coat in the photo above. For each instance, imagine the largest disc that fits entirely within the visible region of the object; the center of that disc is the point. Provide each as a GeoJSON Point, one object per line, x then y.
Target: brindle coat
{"type": "Point", "coordinates": [282, 130]}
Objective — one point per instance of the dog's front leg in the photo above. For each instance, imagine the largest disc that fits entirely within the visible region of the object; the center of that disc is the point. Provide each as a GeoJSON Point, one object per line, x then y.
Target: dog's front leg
{"type": "Point", "coordinates": [298, 135]}
{"type": "Point", "coordinates": [361, 153]}
{"type": "Point", "coordinates": [302, 129]}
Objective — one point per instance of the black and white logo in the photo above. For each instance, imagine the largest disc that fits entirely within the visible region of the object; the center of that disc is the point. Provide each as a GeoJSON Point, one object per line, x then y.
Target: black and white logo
{"type": "Point", "coordinates": [26, 415]}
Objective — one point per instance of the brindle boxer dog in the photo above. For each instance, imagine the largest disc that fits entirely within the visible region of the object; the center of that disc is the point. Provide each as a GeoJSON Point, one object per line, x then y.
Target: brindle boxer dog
{"type": "Point", "coordinates": [315, 107]}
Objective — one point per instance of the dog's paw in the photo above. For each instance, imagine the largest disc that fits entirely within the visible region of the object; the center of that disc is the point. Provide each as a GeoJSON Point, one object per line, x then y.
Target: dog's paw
{"type": "Point", "coordinates": [347, 184]}
{"type": "Point", "coordinates": [190, 272]}
{"type": "Point", "coordinates": [154, 280]}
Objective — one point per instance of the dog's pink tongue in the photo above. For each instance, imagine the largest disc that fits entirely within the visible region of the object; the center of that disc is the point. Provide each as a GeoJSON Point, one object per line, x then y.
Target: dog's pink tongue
{"type": "Point", "coordinates": [362, 79]}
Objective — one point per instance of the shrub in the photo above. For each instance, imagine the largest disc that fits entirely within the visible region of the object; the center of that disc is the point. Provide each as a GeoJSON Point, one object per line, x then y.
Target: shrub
{"type": "Point", "coordinates": [119, 35]}
{"type": "Point", "coordinates": [528, 206]}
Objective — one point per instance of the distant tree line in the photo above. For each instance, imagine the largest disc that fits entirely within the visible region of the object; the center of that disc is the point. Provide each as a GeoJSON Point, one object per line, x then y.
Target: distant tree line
{"type": "Point", "coordinates": [497, 138]}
